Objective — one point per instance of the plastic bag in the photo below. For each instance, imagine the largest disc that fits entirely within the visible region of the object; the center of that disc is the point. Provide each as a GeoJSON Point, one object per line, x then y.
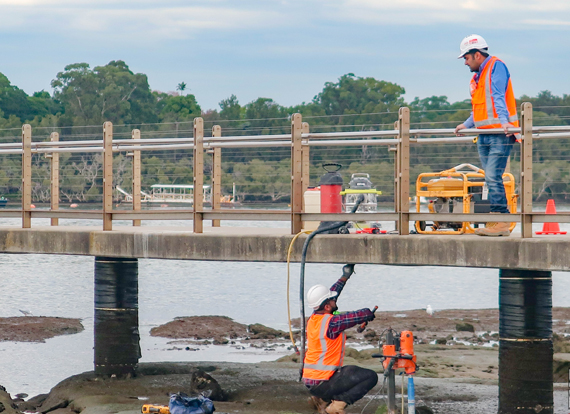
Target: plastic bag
{"type": "Point", "coordinates": [181, 403]}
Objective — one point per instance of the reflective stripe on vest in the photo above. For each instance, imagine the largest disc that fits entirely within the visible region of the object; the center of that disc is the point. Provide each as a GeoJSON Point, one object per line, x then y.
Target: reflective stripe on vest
{"type": "Point", "coordinates": [491, 119]}
{"type": "Point", "coordinates": [329, 349]}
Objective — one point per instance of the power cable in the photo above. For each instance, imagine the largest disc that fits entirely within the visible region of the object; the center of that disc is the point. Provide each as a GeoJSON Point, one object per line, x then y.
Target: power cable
{"type": "Point", "coordinates": [288, 279]}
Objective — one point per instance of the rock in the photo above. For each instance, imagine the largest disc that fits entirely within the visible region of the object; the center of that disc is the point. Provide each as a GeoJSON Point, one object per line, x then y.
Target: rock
{"type": "Point", "coordinates": [201, 327]}
{"type": "Point", "coordinates": [423, 410]}
{"type": "Point", "coordinates": [7, 406]}
{"type": "Point", "coordinates": [205, 384]}
{"type": "Point", "coordinates": [465, 327]}
{"type": "Point", "coordinates": [32, 403]}
{"type": "Point", "coordinates": [441, 341]}
{"type": "Point", "coordinates": [260, 331]}
{"type": "Point", "coordinates": [371, 335]}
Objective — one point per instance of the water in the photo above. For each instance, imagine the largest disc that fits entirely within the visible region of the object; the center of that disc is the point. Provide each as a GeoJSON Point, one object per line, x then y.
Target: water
{"type": "Point", "coordinates": [50, 285]}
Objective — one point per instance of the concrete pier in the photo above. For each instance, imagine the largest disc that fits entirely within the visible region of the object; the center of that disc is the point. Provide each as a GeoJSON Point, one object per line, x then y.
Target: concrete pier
{"type": "Point", "coordinates": [116, 331]}
{"type": "Point", "coordinates": [525, 349]}
{"type": "Point", "coordinates": [271, 244]}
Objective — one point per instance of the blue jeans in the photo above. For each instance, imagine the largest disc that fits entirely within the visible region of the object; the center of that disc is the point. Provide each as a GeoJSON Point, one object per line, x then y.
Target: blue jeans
{"type": "Point", "coordinates": [494, 151]}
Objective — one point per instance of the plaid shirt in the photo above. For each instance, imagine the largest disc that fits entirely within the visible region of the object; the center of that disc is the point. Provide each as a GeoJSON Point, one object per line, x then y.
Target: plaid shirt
{"type": "Point", "coordinates": [340, 323]}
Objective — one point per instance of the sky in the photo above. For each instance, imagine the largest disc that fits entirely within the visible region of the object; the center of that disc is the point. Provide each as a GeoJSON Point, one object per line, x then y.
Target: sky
{"type": "Point", "coordinates": [286, 50]}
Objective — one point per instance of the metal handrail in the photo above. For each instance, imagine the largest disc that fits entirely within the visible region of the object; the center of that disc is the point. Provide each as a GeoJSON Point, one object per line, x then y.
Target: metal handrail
{"type": "Point", "coordinates": [299, 141]}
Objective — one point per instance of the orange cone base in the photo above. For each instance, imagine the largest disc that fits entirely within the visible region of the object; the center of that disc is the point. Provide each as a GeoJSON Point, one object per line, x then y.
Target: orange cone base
{"type": "Point", "coordinates": [550, 228]}
{"type": "Point", "coordinates": [550, 232]}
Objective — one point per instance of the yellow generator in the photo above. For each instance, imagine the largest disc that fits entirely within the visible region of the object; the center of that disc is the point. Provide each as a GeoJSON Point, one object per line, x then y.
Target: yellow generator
{"type": "Point", "coordinates": [460, 189]}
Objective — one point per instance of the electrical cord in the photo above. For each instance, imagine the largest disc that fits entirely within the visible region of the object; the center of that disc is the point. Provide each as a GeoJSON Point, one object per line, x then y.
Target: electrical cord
{"type": "Point", "coordinates": [288, 279]}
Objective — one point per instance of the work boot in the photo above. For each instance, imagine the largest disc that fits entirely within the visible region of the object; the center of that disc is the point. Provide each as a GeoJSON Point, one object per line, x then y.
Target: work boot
{"type": "Point", "coordinates": [336, 407]}
{"type": "Point", "coordinates": [318, 404]}
{"type": "Point", "coordinates": [496, 230]}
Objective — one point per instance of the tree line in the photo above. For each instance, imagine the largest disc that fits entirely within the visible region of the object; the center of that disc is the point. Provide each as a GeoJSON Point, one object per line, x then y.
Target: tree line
{"type": "Point", "coordinates": [83, 96]}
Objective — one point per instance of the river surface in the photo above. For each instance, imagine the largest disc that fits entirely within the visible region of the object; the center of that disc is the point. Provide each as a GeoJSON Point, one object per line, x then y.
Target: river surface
{"type": "Point", "coordinates": [52, 285]}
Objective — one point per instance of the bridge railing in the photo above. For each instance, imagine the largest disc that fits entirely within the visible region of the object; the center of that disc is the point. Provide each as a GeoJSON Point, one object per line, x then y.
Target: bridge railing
{"type": "Point", "coordinates": [300, 141]}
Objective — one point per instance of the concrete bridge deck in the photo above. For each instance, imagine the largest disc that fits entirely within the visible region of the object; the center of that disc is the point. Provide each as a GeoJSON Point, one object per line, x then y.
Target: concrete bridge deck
{"type": "Point", "coordinates": [271, 244]}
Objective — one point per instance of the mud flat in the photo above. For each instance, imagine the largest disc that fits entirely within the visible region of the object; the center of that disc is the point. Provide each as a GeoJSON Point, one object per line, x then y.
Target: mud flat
{"type": "Point", "coordinates": [37, 328]}
{"type": "Point", "coordinates": [456, 349]}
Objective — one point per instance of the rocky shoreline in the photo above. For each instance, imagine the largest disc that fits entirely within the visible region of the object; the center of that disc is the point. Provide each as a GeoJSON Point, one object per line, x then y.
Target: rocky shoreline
{"type": "Point", "coordinates": [457, 355]}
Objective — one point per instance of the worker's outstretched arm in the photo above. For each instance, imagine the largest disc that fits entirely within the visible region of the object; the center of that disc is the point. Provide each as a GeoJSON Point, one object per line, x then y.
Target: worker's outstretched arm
{"type": "Point", "coordinates": [347, 271]}
{"type": "Point", "coordinates": [340, 323]}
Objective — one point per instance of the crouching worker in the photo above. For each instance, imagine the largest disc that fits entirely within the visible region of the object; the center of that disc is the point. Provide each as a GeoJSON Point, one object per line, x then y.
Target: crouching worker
{"type": "Point", "coordinates": [331, 385]}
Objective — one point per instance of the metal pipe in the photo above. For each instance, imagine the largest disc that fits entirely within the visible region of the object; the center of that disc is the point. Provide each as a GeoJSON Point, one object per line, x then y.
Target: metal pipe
{"type": "Point", "coordinates": [247, 144]}
{"type": "Point", "coordinates": [454, 140]}
{"type": "Point", "coordinates": [80, 149]}
{"type": "Point", "coordinates": [248, 138]}
{"type": "Point", "coordinates": [68, 143]}
{"type": "Point", "coordinates": [551, 135]}
{"type": "Point", "coordinates": [391, 378]}
{"type": "Point", "coordinates": [119, 148]}
{"type": "Point", "coordinates": [353, 142]}
{"type": "Point", "coordinates": [359, 134]}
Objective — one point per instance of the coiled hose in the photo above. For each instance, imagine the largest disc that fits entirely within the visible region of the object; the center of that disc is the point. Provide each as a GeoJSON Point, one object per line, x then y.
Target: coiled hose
{"type": "Point", "coordinates": [325, 228]}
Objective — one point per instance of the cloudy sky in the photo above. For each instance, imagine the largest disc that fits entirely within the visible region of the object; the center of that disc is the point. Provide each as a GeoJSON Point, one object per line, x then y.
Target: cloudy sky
{"type": "Point", "coordinates": [286, 49]}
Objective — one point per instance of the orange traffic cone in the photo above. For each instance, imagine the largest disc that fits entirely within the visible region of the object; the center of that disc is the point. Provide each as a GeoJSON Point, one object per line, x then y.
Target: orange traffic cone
{"type": "Point", "coordinates": [550, 228]}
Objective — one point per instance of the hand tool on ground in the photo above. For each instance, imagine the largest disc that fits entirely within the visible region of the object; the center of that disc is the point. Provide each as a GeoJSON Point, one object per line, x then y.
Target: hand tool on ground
{"type": "Point", "coordinates": [154, 408]}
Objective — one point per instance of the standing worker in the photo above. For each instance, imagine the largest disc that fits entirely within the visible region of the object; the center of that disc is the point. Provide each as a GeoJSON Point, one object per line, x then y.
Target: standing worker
{"type": "Point", "coordinates": [331, 385]}
{"type": "Point", "coordinates": [494, 106]}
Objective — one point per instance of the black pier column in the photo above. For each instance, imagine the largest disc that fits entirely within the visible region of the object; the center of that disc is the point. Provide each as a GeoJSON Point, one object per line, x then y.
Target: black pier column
{"type": "Point", "coordinates": [117, 348]}
{"type": "Point", "coordinates": [525, 351]}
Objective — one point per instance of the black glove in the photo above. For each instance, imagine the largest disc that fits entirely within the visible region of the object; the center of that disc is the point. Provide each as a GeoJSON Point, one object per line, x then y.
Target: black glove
{"type": "Point", "coordinates": [371, 317]}
{"type": "Point", "coordinates": [347, 270]}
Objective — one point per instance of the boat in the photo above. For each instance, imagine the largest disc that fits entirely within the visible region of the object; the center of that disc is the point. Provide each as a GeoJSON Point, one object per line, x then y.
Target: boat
{"type": "Point", "coordinates": [175, 193]}
{"type": "Point", "coordinates": [167, 194]}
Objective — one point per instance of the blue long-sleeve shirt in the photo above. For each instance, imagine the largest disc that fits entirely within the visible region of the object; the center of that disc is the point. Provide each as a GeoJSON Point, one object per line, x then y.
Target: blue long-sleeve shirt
{"type": "Point", "coordinates": [499, 81]}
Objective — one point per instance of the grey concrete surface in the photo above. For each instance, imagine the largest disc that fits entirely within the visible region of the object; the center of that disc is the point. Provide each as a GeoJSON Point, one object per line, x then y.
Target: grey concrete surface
{"type": "Point", "coordinates": [271, 244]}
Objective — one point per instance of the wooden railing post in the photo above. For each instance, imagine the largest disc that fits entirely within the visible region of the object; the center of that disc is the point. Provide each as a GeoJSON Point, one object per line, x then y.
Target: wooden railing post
{"type": "Point", "coordinates": [403, 178]}
{"type": "Point", "coordinates": [136, 190]}
{"type": "Point", "coordinates": [394, 150]}
{"type": "Point", "coordinates": [296, 173]}
{"type": "Point", "coordinates": [198, 204]}
{"type": "Point", "coordinates": [107, 176]}
{"type": "Point", "coordinates": [305, 155]}
{"type": "Point", "coordinates": [526, 170]}
{"type": "Point", "coordinates": [216, 175]}
{"type": "Point", "coordinates": [54, 173]}
{"type": "Point", "coordinates": [27, 176]}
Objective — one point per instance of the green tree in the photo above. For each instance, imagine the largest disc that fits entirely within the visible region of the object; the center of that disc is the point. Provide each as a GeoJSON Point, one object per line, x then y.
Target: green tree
{"type": "Point", "coordinates": [181, 87]}
{"type": "Point", "coordinates": [13, 101]}
{"type": "Point", "coordinates": [179, 108]}
{"type": "Point", "coordinates": [356, 95]}
{"type": "Point", "coordinates": [106, 93]}
{"type": "Point", "coordinates": [230, 108]}
{"type": "Point", "coordinates": [265, 116]}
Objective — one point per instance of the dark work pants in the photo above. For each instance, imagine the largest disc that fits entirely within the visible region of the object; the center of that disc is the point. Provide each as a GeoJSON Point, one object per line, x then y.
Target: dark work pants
{"type": "Point", "coordinates": [349, 384]}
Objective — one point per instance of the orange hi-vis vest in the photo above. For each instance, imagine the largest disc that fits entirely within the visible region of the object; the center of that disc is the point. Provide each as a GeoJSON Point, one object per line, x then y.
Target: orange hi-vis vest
{"type": "Point", "coordinates": [484, 112]}
{"type": "Point", "coordinates": [324, 356]}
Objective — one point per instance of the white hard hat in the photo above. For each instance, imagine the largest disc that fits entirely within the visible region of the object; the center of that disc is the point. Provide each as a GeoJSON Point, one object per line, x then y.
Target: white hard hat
{"type": "Point", "coordinates": [472, 42]}
{"type": "Point", "coordinates": [318, 294]}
